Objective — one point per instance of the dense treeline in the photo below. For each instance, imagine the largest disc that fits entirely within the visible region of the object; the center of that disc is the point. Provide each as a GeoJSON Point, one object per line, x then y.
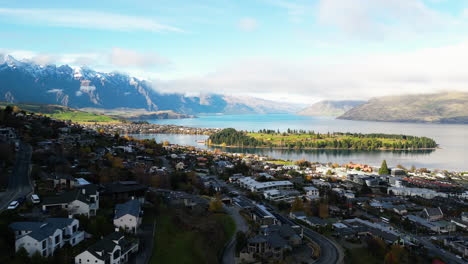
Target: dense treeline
{"type": "Point", "coordinates": [311, 139]}
{"type": "Point", "coordinates": [232, 137]}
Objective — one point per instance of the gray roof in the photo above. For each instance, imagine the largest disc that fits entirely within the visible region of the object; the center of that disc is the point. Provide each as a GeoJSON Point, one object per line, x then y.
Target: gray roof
{"type": "Point", "coordinates": [132, 207]}
{"type": "Point", "coordinates": [81, 193]}
{"type": "Point", "coordinates": [433, 211]}
{"type": "Point", "coordinates": [41, 230]}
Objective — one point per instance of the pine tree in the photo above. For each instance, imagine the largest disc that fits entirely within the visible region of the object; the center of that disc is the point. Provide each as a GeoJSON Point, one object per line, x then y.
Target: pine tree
{"type": "Point", "coordinates": [384, 168]}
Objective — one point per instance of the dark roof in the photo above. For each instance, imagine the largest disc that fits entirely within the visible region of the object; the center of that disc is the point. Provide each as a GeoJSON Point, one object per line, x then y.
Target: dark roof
{"type": "Point", "coordinates": [106, 245]}
{"type": "Point", "coordinates": [42, 230]}
{"type": "Point", "coordinates": [123, 187]}
{"type": "Point", "coordinates": [433, 211]}
{"type": "Point", "coordinates": [81, 193]}
{"type": "Point", "coordinates": [132, 207]}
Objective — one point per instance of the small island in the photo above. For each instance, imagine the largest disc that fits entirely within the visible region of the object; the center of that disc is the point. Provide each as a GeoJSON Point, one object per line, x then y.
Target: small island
{"type": "Point", "coordinates": [301, 139]}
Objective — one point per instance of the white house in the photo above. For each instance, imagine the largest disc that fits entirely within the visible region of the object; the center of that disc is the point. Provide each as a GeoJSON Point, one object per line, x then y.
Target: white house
{"type": "Point", "coordinates": [112, 249]}
{"type": "Point", "coordinates": [128, 216]}
{"type": "Point", "coordinates": [312, 193]}
{"type": "Point", "coordinates": [255, 186]}
{"type": "Point", "coordinates": [83, 200]}
{"type": "Point", "coordinates": [48, 236]}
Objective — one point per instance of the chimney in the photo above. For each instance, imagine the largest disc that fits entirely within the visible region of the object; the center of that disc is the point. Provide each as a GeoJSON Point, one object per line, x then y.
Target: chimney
{"type": "Point", "coordinates": [133, 197]}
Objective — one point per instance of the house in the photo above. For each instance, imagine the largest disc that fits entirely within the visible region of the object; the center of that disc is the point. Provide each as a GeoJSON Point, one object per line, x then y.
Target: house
{"type": "Point", "coordinates": [458, 244]}
{"type": "Point", "coordinates": [123, 191]}
{"type": "Point", "coordinates": [83, 200]}
{"type": "Point", "coordinates": [315, 221]}
{"type": "Point", "coordinates": [47, 236]}
{"type": "Point", "coordinates": [112, 249]}
{"type": "Point", "coordinates": [312, 193]}
{"type": "Point", "coordinates": [262, 216]}
{"type": "Point", "coordinates": [7, 135]}
{"type": "Point", "coordinates": [128, 216]}
{"type": "Point", "coordinates": [255, 186]}
{"type": "Point", "coordinates": [298, 215]}
{"type": "Point", "coordinates": [433, 214]}
{"type": "Point", "coordinates": [400, 209]}
{"type": "Point", "coordinates": [464, 216]}
{"type": "Point", "coordinates": [271, 243]}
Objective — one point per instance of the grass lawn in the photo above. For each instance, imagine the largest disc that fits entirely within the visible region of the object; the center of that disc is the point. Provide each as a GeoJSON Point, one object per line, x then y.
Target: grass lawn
{"type": "Point", "coordinates": [175, 245]}
{"type": "Point", "coordinates": [172, 245]}
{"type": "Point", "coordinates": [281, 162]}
{"type": "Point", "coordinates": [362, 256]}
{"type": "Point", "coordinates": [228, 224]}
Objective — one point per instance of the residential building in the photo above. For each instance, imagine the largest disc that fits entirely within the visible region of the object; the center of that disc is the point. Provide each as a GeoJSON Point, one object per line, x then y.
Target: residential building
{"type": "Point", "coordinates": [83, 200]}
{"type": "Point", "coordinates": [47, 236]}
{"type": "Point", "coordinates": [255, 186]}
{"type": "Point", "coordinates": [433, 214]}
{"type": "Point", "coordinates": [112, 249]}
{"type": "Point", "coordinates": [128, 216]}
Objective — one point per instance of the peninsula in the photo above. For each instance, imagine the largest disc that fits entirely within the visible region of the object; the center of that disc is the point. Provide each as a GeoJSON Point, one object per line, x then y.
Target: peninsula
{"type": "Point", "coordinates": [301, 139]}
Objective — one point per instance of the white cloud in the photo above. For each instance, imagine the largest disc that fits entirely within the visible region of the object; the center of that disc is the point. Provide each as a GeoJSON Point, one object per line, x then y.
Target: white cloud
{"type": "Point", "coordinates": [357, 77]}
{"type": "Point", "coordinates": [247, 24]}
{"type": "Point", "coordinates": [129, 58]}
{"type": "Point", "coordinates": [380, 18]}
{"type": "Point", "coordinates": [85, 19]}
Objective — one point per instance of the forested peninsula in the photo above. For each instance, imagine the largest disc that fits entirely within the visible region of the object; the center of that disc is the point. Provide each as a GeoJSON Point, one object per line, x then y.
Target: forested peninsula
{"type": "Point", "coordinates": [301, 139]}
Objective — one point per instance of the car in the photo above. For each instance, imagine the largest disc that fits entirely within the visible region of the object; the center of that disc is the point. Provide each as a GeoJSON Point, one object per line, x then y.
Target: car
{"type": "Point", "coordinates": [13, 205]}
{"type": "Point", "coordinates": [35, 199]}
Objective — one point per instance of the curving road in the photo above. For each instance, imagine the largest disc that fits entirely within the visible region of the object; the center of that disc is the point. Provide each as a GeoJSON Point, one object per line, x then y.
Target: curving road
{"type": "Point", "coordinates": [329, 252]}
{"type": "Point", "coordinates": [19, 183]}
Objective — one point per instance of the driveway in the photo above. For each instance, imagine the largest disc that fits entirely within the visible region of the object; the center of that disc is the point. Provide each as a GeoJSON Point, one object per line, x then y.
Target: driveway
{"type": "Point", "coordinates": [241, 225]}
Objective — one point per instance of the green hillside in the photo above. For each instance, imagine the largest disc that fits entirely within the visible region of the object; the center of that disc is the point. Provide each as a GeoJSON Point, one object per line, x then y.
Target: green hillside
{"type": "Point", "coordinates": [62, 112]}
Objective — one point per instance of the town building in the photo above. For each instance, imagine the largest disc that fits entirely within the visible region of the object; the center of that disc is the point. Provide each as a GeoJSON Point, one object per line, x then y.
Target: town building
{"type": "Point", "coordinates": [128, 216]}
{"type": "Point", "coordinates": [79, 201]}
{"type": "Point", "coordinates": [47, 236]}
{"type": "Point", "coordinates": [112, 249]}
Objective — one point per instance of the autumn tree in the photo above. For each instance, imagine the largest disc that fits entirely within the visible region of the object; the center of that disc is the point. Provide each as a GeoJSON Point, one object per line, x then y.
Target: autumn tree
{"type": "Point", "coordinates": [297, 205]}
{"type": "Point", "coordinates": [216, 205]}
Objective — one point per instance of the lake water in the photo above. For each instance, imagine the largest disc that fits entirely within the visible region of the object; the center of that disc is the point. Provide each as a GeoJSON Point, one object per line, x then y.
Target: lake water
{"type": "Point", "coordinates": [452, 139]}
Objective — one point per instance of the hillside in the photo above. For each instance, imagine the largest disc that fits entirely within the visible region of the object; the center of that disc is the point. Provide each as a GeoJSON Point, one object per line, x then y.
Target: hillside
{"type": "Point", "coordinates": [329, 108]}
{"type": "Point", "coordinates": [137, 114]}
{"type": "Point", "coordinates": [24, 81]}
{"type": "Point", "coordinates": [63, 113]}
{"type": "Point", "coordinates": [449, 107]}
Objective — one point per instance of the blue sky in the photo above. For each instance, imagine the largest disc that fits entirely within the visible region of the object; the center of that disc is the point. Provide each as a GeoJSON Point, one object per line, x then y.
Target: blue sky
{"type": "Point", "coordinates": [292, 50]}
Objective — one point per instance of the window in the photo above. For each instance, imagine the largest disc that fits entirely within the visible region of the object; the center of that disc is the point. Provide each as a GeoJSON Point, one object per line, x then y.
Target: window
{"type": "Point", "coordinates": [57, 239]}
{"type": "Point", "coordinates": [44, 244]}
{"type": "Point", "coordinates": [79, 261]}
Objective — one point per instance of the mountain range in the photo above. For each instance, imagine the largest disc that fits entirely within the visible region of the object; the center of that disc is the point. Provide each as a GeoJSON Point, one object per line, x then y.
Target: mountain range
{"type": "Point", "coordinates": [330, 108]}
{"type": "Point", "coordinates": [26, 81]}
{"type": "Point", "coordinates": [447, 107]}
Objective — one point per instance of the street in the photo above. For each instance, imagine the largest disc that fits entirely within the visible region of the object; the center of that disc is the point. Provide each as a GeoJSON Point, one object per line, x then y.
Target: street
{"type": "Point", "coordinates": [241, 225]}
{"type": "Point", "coordinates": [19, 183]}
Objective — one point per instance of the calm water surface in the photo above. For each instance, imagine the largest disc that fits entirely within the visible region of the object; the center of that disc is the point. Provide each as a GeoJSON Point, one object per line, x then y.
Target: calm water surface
{"type": "Point", "coordinates": [452, 139]}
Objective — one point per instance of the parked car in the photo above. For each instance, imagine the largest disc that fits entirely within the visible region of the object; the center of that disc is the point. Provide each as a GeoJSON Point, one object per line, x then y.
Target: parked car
{"type": "Point", "coordinates": [13, 205]}
{"type": "Point", "coordinates": [35, 199]}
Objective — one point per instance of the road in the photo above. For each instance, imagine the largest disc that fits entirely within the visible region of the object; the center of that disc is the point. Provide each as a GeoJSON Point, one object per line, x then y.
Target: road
{"type": "Point", "coordinates": [329, 252]}
{"type": "Point", "coordinates": [241, 225]}
{"type": "Point", "coordinates": [19, 183]}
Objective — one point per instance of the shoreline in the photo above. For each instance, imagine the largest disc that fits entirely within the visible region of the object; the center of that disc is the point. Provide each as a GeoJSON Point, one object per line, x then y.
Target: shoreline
{"type": "Point", "coordinates": [306, 148]}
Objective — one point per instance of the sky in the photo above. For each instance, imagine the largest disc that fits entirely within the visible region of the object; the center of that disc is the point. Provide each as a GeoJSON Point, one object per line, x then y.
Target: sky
{"type": "Point", "coordinates": [296, 51]}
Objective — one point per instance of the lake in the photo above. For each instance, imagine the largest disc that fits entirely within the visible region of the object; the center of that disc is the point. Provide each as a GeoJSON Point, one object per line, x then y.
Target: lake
{"type": "Point", "coordinates": [452, 139]}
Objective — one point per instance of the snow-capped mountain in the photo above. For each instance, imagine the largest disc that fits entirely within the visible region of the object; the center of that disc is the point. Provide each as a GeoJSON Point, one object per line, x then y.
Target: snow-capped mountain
{"type": "Point", "coordinates": [25, 81]}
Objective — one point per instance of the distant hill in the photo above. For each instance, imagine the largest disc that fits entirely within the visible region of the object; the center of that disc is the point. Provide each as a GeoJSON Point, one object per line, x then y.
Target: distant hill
{"type": "Point", "coordinates": [330, 108]}
{"type": "Point", "coordinates": [25, 81]}
{"type": "Point", "coordinates": [448, 107]}
{"type": "Point", "coordinates": [63, 113]}
{"type": "Point", "coordinates": [137, 114]}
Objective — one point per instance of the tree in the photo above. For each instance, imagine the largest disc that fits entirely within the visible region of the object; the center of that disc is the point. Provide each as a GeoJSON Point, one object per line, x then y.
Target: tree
{"type": "Point", "coordinates": [384, 168]}
{"type": "Point", "coordinates": [297, 205]}
{"type": "Point", "coordinates": [216, 205]}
